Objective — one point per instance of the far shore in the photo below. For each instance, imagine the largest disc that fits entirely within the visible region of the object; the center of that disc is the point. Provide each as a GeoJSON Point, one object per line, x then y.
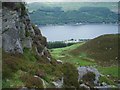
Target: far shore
{"type": "Point", "coordinates": [78, 24]}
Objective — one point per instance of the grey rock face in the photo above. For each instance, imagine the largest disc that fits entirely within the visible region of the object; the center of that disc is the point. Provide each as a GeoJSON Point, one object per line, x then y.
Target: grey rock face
{"type": "Point", "coordinates": [85, 87]}
{"type": "Point", "coordinates": [84, 70]}
{"type": "Point", "coordinates": [14, 31]}
{"type": "Point", "coordinates": [11, 45]}
{"type": "Point", "coordinates": [27, 42]}
{"type": "Point", "coordinates": [10, 32]}
{"type": "Point", "coordinates": [18, 32]}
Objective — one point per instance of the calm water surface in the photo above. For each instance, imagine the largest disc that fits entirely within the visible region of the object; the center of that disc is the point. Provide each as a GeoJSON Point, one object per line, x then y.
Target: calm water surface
{"type": "Point", "coordinates": [66, 32]}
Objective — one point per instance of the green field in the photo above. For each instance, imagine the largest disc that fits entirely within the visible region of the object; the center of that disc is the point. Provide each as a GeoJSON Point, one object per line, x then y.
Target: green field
{"type": "Point", "coordinates": [64, 55]}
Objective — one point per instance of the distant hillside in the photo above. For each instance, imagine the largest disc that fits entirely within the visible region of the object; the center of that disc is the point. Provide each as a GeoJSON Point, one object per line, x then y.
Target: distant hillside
{"type": "Point", "coordinates": [56, 15]}
{"type": "Point", "coordinates": [103, 49]}
{"type": "Point", "coordinates": [73, 6]}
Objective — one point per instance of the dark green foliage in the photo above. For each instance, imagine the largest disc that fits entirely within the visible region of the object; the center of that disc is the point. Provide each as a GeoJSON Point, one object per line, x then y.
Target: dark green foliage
{"type": "Point", "coordinates": [46, 16]}
{"type": "Point", "coordinates": [89, 78]}
{"type": "Point", "coordinates": [70, 74]}
{"type": "Point", "coordinates": [23, 9]}
{"type": "Point", "coordinates": [57, 44]}
{"type": "Point", "coordinates": [27, 33]}
{"type": "Point", "coordinates": [31, 82]}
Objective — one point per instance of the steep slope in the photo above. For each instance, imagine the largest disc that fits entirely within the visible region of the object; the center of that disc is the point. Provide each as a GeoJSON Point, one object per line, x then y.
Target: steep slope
{"type": "Point", "coordinates": [26, 62]}
{"type": "Point", "coordinates": [18, 32]}
{"type": "Point", "coordinates": [24, 48]}
{"type": "Point", "coordinates": [103, 49]}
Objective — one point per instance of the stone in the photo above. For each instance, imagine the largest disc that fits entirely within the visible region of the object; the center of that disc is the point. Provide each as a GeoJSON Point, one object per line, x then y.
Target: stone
{"type": "Point", "coordinates": [84, 86]}
{"type": "Point", "coordinates": [18, 47]}
{"type": "Point", "coordinates": [59, 61]}
{"type": "Point", "coordinates": [58, 83]}
{"type": "Point", "coordinates": [27, 42]}
{"type": "Point", "coordinates": [84, 70]}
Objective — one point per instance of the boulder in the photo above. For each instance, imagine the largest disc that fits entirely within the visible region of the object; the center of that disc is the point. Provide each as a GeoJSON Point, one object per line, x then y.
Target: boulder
{"type": "Point", "coordinates": [84, 70]}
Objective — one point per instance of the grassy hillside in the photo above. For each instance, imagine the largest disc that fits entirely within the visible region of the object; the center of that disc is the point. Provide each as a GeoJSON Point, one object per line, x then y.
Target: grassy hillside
{"type": "Point", "coordinates": [91, 54]}
{"type": "Point", "coordinates": [19, 70]}
{"type": "Point", "coordinates": [102, 49]}
{"type": "Point", "coordinates": [64, 55]}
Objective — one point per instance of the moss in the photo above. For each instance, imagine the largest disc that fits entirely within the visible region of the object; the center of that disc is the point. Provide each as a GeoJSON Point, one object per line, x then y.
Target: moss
{"type": "Point", "coordinates": [27, 33]}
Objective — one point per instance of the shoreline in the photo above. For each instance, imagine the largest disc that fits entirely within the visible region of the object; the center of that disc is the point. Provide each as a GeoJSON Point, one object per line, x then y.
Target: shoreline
{"type": "Point", "coordinates": [77, 24]}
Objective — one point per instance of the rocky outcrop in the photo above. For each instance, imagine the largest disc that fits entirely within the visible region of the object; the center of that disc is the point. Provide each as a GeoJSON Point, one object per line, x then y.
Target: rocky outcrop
{"type": "Point", "coordinates": [58, 83]}
{"type": "Point", "coordinates": [18, 32]}
{"type": "Point", "coordinates": [84, 70]}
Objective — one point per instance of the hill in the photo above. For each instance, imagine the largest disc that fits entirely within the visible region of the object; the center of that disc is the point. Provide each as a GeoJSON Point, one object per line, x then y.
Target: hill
{"type": "Point", "coordinates": [67, 6]}
{"type": "Point", "coordinates": [100, 53]}
{"type": "Point", "coordinates": [103, 49]}
{"type": "Point", "coordinates": [56, 15]}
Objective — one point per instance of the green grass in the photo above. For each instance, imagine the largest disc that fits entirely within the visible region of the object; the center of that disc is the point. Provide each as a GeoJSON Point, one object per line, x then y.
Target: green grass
{"type": "Point", "coordinates": [28, 54]}
{"type": "Point", "coordinates": [64, 55]}
{"type": "Point", "coordinates": [113, 70]}
{"type": "Point", "coordinates": [14, 66]}
{"type": "Point", "coordinates": [103, 50]}
{"type": "Point", "coordinates": [13, 82]}
{"type": "Point", "coordinates": [106, 80]}
{"type": "Point", "coordinates": [59, 52]}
